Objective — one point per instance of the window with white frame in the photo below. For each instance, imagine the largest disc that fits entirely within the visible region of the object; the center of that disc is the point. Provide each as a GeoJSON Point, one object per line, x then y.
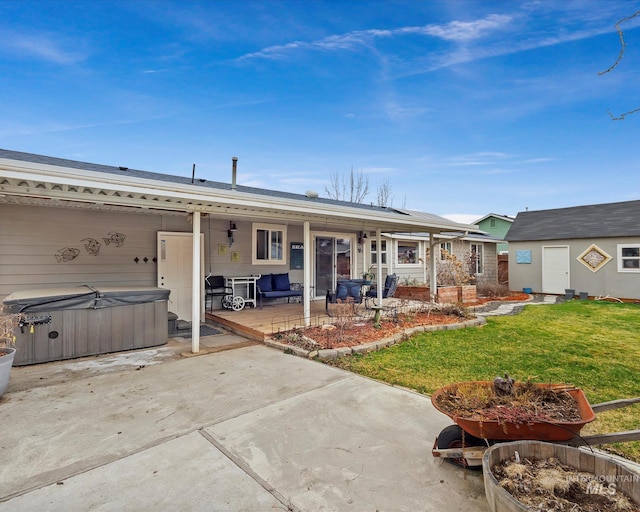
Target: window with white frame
{"type": "Point", "coordinates": [445, 250]}
{"type": "Point", "coordinates": [628, 257]}
{"type": "Point", "coordinates": [477, 258]}
{"type": "Point", "coordinates": [374, 252]}
{"type": "Point", "coordinates": [269, 242]}
{"type": "Point", "coordinates": [407, 252]}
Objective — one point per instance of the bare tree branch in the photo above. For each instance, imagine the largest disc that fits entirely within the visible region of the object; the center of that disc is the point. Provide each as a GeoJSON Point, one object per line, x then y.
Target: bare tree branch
{"type": "Point", "coordinates": [354, 188]}
{"type": "Point", "coordinates": [622, 116]}
{"type": "Point", "coordinates": [385, 197]}
{"type": "Point", "coordinates": [623, 44]}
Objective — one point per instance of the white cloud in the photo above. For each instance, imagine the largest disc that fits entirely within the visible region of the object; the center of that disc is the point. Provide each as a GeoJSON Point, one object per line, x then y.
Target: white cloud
{"type": "Point", "coordinates": [42, 46]}
{"type": "Point", "coordinates": [453, 31]}
{"type": "Point", "coordinates": [464, 30]}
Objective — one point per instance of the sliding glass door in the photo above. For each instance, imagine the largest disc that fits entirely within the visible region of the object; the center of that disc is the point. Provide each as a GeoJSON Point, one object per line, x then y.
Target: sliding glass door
{"type": "Point", "coordinates": [332, 261]}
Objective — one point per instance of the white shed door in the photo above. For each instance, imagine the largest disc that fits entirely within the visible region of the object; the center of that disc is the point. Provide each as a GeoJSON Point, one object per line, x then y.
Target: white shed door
{"type": "Point", "coordinates": [555, 269]}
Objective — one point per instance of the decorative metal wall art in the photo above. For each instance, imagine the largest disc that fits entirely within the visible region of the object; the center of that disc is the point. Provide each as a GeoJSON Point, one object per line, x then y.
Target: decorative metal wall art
{"type": "Point", "coordinates": [115, 238]}
{"type": "Point", "coordinates": [594, 258]}
{"type": "Point", "coordinates": [67, 254]}
{"type": "Point", "coordinates": [91, 245]}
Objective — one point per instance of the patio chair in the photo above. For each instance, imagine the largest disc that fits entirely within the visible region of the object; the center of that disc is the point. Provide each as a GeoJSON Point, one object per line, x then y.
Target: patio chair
{"type": "Point", "coordinates": [215, 286]}
{"type": "Point", "coordinates": [390, 286]}
{"type": "Point", "coordinates": [347, 291]}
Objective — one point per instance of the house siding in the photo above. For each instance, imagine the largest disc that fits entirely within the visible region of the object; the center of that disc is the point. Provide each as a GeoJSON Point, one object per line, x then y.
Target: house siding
{"type": "Point", "coordinates": [31, 236]}
{"type": "Point", "coordinates": [606, 281]}
{"type": "Point", "coordinates": [500, 230]}
{"type": "Point", "coordinates": [461, 250]}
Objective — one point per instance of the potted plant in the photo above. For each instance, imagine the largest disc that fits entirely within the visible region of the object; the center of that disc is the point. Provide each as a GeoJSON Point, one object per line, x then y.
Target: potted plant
{"type": "Point", "coordinates": [8, 322]}
{"type": "Point", "coordinates": [368, 276]}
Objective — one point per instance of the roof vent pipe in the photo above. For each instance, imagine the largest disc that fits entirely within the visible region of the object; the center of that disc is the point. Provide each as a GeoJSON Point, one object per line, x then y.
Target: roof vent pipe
{"type": "Point", "coordinates": [234, 170]}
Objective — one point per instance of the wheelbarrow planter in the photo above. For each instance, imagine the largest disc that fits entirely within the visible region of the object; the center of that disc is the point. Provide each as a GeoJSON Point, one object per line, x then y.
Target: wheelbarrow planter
{"type": "Point", "coordinates": [465, 442]}
{"type": "Point", "coordinates": [604, 469]}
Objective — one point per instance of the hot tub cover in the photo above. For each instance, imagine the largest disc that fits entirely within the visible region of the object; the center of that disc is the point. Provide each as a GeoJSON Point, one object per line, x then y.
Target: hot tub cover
{"type": "Point", "coordinates": [81, 297]}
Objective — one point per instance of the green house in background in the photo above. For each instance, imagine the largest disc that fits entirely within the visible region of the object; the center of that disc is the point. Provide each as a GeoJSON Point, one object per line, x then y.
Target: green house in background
{"type": "Point", "coordinates": [497, 226]}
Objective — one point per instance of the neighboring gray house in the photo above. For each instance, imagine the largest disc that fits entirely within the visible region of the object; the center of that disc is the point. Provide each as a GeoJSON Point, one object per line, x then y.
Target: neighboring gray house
{"type": "Point", "coordinates": [593, 249]}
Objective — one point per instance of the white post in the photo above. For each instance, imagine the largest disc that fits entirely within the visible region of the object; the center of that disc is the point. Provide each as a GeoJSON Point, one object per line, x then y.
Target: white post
{"type": "Point", "coordinates": [433, 284]}
{"type": "Point", "coordinates": [306, 277]}
{"type": "Point", "coordinates": [196, 286]}
{"type": "Point", "coordinates": [379, 283]}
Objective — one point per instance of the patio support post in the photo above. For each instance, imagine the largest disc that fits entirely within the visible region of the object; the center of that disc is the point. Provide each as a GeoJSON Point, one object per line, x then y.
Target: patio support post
{"type": "Point", "coordinates": [379, 283]}
{"type": "Point", "coordinates": [433, 284]}
{"type": "Point", "coordinates": [196, 286]}
{"type": "Point", "coordinates": [306, 278]}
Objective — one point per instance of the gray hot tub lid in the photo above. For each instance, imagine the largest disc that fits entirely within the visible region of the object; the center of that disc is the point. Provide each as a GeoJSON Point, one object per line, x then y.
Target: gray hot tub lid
{"type": "Point", "coordinates": [81, 297]}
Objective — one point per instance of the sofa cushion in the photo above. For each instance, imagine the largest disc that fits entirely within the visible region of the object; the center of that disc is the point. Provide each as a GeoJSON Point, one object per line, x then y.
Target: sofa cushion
{"type": "Point", "coordinates": [264, 283]}
{"type": "Point", "coordinates": [287, 293]}
{"type": "Point", "coordinates": [354, 291]}
{"type": "Point", "coordinates": [342, 292]}
{"type": "Point", "coordinates": [281, 283]}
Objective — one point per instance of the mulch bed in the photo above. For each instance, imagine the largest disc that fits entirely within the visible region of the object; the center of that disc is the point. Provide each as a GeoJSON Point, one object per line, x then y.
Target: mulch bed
{"type": "Point", "coordinates": [364, 331]}
{"type": "Point", "coordinates": [354, 331]}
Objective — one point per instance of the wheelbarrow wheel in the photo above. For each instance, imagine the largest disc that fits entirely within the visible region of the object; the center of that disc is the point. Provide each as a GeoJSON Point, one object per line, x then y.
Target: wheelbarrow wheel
{"type": "Point", "coordinates": [454, 437]}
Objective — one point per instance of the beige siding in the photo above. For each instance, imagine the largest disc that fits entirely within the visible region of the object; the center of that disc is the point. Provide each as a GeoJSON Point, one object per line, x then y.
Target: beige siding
{"type": "Point", "coordinates": [31, 237]}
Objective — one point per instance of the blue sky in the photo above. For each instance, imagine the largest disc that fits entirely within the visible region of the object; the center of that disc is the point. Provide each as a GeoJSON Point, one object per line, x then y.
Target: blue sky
{"type": "Point", "coordinates": [465, 107]}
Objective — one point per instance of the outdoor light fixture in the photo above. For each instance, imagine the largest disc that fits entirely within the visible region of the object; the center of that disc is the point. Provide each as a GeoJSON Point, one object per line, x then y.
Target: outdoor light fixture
{"type": "Point", "coordinates": [232, 229]}
{"type": "Point", "coordinates": [362, 236]}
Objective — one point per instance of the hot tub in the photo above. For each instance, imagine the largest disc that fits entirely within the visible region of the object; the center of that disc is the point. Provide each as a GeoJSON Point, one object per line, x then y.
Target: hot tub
{"type": "Point", "coordinates": [69, 322]}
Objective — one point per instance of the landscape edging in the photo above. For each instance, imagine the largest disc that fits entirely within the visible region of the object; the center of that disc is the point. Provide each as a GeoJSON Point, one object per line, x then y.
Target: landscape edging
{"type": "Point", "coordinates": [329, 354]}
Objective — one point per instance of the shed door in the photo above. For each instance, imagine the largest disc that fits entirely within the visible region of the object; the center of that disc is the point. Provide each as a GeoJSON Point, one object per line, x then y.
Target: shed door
{"type": "Point", "coordinates": [555, 269]}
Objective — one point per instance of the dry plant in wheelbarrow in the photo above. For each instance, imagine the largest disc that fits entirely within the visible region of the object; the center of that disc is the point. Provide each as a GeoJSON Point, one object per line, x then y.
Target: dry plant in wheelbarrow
{"type": "Point", "coordinates": [508, 410]}
{"type": "Point", "coordinates": [506, 401]}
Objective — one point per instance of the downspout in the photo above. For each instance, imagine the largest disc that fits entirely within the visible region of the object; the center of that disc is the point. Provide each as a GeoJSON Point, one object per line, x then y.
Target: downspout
{"type": "Point", "coordinates": [196, 286]}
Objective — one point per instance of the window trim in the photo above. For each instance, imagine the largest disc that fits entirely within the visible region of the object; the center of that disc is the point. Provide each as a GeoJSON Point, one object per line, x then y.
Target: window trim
{"type": "Point", "coordinates": [255, 227]}
{"type": "Point", "coordinates": [385, 253]}
{"type": "Point", "coordinates": [621, 259]}
{"type": "Point", "coordinates": [417, 253]}
{"type": "Point", "coordinates": [480, 259]}
{"type": "Point", "coordinates": [449, 249]}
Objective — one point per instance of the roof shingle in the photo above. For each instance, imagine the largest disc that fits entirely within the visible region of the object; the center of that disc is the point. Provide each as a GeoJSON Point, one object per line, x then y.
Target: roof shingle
{"type": "Point", "coordinates": [591, 221]}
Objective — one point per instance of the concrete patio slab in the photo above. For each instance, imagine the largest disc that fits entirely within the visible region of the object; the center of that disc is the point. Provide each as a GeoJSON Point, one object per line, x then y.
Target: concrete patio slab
{"type": "Point", "coordinates": [352, 445]}
{"type": "Point", "coordinates": [250, 425]}
{"type": "Point", "coordinates": [187, 473]}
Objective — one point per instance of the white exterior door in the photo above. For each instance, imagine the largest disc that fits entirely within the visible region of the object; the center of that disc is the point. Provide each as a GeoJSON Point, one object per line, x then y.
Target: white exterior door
{"type": "Point", "coordinates": [555, 269]}
{"type": "Point", "coordinates": [175, 264]}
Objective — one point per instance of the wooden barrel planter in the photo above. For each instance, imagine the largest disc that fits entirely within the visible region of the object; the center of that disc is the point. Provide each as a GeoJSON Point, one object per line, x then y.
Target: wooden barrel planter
{"type": "Point", "coordinates": [606, 469]}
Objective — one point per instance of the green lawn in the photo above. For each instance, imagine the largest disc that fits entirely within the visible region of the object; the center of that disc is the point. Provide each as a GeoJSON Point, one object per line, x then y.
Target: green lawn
{"type": "Point", "coordinates": [592, 345]}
